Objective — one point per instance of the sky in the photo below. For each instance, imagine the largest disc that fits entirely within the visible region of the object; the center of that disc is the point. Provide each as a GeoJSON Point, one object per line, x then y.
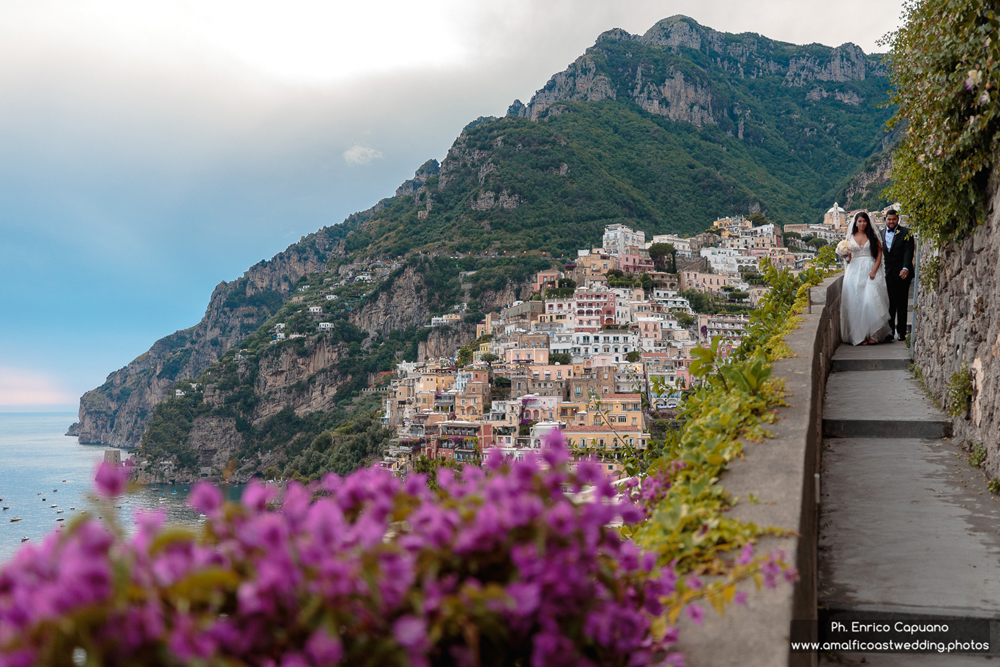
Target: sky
{"type": "Point", "coordinates": [150, 150]}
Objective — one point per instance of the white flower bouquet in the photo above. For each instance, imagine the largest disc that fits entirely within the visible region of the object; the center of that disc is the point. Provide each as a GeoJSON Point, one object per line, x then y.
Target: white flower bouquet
{"type": "Point", "coordinates": [843, 250]}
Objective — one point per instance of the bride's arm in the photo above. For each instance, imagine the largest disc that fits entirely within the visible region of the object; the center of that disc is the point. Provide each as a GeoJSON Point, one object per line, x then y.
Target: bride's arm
{"type": "Point", "coordinates": [878, 261]}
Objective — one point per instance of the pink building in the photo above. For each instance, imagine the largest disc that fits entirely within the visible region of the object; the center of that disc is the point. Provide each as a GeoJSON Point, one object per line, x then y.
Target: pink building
{"type": "Point", "coordinates": [596, 304]}
{"type": "Point", "coordinates": [540, 408]}
{"type": "Point", "coordinates": [530, 355]}
{"type": "Point", "coordinates": [546, 279]}
{"type": "Point", "coordinates": [635, 260]}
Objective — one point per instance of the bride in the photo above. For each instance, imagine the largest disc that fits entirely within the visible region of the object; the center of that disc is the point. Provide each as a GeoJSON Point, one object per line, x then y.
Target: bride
{"type": "Point", "coordinates": [864, 301]}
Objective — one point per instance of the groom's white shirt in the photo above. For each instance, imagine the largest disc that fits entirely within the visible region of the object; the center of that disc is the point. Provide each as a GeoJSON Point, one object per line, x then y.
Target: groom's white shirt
{"type": "Point", "coordinates": [890, 234]}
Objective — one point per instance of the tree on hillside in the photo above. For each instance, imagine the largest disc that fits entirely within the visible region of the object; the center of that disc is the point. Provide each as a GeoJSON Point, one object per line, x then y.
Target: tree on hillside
{"type": "Point", "coordinates": [701, 302]}
{"type": "Point", "coordinates": [758, 220]}
{"type": "Point", "coordinates": [816, 243]}
{"type": "Point", "coordinates": [659, 252]}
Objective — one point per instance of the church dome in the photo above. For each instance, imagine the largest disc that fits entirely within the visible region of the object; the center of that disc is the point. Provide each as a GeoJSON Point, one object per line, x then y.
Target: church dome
{"type": "Point", "coordinates": [836, 209]}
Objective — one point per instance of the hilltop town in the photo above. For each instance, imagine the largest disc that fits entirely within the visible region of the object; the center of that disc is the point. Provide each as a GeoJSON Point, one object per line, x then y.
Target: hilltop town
{"type": "Point", "coordinates": [600, 350]}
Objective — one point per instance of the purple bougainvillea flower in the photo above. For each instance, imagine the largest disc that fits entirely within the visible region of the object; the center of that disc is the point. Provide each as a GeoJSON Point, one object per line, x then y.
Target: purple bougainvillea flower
{"type": "Point", "coordinates": [257, 496]}
{"type": "Point", "coordinates": [746, 556]}
{"type": "Point", "coordinates": [206, 498]}
{"type": "Point", "coordinates": [630, 512]}
{"type": "Point", "coordinates": [110, 479]}
{"type": "Point", "coordinates": [324, 649]}
{"type": "Point", "coordinates": [740, 598]}
{"type": "Point", "coordinates": [526, 597]}
{"type": "Point", "coordinates": [696, 613]}
{"type": "Point", "coordinates": [410, 632]}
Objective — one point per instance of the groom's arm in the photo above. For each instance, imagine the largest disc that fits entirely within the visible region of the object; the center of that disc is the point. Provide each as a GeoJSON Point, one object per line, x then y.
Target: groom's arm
{"type": "Point", "coordinates": [908, 249]}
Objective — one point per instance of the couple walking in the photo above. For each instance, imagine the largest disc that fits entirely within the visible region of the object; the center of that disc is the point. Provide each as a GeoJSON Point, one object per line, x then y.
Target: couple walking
{"type": "Point", "coordinates": [877, 280]}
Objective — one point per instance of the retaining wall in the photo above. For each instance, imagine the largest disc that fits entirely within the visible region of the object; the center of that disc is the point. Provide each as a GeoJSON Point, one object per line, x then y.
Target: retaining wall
{"type": "Point", "coordinates": [780, 473]}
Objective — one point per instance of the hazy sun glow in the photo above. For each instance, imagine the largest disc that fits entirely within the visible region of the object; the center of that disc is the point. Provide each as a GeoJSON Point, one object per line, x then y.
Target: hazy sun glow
{"type": "Point", "coordinates": [300, 41]}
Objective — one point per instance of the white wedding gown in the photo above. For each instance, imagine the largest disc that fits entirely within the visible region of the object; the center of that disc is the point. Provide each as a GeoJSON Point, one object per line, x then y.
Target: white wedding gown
{"type": "Point", "coordinates": [864, 303]}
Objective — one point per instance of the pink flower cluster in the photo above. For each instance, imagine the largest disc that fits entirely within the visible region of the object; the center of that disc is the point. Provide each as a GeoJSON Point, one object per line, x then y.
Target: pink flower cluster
{"type": "Point", "coordinates": [495, 567]}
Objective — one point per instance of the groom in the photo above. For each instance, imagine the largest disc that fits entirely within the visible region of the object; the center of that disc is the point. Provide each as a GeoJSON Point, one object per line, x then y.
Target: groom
{"type": "Point", "coordinates": [898, 244]}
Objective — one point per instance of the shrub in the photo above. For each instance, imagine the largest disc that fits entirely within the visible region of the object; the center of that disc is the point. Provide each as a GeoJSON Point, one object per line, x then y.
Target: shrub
{"type": "Point", "coordinates": [945, 75]}
{"type": "Point", "coordinates": [978, 456]}
{"type": "Point", "coordinates": [958, 395]}
{"type": "Point", "coordinates": [496, 567]}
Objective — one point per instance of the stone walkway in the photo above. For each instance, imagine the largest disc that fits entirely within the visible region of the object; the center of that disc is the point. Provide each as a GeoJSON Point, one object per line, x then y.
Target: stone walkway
{"type": "Point", "coordinates": [907, 526]}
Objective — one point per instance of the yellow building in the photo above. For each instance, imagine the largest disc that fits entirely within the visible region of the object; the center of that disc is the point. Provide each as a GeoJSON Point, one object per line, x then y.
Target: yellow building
{"type": "Point", "coordinates": [605, 438]}
{"type": "Point", "coordinates": [618, 410]}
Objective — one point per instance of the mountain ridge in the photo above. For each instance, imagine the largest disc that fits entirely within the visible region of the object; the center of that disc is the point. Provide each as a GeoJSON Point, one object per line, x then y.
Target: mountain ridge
{"type": "Point", "coordinates": [663, 131]}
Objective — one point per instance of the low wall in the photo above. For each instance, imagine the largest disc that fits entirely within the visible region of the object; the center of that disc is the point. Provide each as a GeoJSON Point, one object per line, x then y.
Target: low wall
{"type": "Point", "coordinates": [958, 321]}
{"type": "Point", "coordinates": [780, 473]}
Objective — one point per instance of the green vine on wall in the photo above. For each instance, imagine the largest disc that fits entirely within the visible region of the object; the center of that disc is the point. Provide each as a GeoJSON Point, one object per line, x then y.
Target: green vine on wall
{"type": "Point", "coordinates": [945, 64]}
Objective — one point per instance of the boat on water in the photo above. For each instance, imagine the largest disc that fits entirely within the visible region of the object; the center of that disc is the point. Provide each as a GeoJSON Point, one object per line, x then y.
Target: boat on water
{"type": "Point", "coordinates": [16, 518]}
{"type": "Point", "coordinates": [53, 505]}
{"type": "Point", "coordinates": [59, 511]}
{"type": "Point", "coordinates": [24, 539]}
{"type": "Point", "coordinates": [5, 507]}
{"type": "Point", "coordinates": [60, 519]}
{"type": "Point", "coordinates": [72, 508]}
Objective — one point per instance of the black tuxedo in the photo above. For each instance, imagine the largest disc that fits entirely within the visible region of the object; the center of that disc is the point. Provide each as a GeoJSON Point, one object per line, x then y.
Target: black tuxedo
{"type": "Point", "coordinates": [897, 258]}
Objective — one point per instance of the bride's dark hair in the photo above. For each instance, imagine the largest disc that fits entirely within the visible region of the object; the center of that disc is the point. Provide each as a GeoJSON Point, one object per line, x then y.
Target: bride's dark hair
{"type": "Point", "coordinates": [869, 231]}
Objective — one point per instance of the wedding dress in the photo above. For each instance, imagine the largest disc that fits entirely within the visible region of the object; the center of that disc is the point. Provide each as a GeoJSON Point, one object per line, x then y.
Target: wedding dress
{"type": "Point", "coordinates": [864, 303]}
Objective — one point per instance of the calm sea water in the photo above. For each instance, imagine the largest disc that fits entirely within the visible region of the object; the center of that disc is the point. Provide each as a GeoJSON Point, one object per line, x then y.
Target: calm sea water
{"type": "Point", "coordinates": [41, 467]}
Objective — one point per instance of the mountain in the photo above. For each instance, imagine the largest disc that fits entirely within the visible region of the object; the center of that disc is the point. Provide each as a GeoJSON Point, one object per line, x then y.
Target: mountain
{"type": "Point", "coordinates": [665, 131]}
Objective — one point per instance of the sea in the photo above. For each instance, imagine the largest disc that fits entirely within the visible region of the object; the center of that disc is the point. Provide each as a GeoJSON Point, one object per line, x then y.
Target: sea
{"type": "Point", "coordinates": [46, 476]}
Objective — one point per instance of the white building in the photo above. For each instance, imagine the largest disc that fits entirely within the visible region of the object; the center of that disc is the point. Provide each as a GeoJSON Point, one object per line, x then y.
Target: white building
{"type": "Point", "coordinates": [683, 247]}
{"type": "Point", "coordinates": [617, 237]}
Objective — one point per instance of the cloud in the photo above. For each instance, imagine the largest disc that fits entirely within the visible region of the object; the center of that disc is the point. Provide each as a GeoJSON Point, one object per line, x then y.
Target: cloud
{"type": "Point", "coordinates": [361, 155]}
{"type": "Point", "coordinates": [25, 388]}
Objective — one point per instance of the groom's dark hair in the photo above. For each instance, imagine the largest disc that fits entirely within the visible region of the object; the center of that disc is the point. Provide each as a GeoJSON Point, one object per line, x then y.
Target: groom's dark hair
{"type": "Point", "coordinates": [869, 232]}
{"type": "Point", "coordinates": [891, 211]}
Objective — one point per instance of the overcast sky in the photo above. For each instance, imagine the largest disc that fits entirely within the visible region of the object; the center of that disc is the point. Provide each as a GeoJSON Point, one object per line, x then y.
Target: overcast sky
{"type": "Point", "coordinates": [150, 150]}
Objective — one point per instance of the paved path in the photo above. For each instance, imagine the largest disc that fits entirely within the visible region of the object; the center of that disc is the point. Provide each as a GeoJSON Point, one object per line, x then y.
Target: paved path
{"type": "Point", "coordinates": [907, 526]}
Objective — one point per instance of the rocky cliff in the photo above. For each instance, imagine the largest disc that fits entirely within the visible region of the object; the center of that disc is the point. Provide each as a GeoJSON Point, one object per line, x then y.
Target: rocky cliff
{"type": "Point", "coordinates": [682, 93]}
{"type": "Point", "coordinates": [402, 304]}
{"type": "Point", "coordinates": [116, 413]}
{"type": "Point", "coordinates": [445, 341]}
{"type": "Point", "coordinates": [957, 322]}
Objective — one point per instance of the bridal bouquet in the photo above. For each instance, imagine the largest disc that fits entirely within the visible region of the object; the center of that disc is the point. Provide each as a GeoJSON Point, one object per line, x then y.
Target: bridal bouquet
{"type": "Point", "coordinates": [842, 249]}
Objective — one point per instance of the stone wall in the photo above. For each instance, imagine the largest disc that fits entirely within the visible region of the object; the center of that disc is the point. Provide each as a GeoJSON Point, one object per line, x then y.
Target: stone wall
{"type": "Point", "coordinates": [960, 320]}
